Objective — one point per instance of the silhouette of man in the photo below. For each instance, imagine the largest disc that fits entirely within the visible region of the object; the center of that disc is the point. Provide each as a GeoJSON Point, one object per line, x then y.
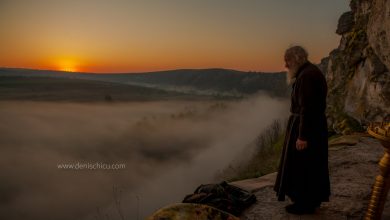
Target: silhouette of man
{"type": "Point", "coordinates": [303, 173]}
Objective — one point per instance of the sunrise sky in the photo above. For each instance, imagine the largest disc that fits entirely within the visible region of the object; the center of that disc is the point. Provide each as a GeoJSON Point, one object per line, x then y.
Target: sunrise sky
{"type": "Point", "coordinates": [149, 35]}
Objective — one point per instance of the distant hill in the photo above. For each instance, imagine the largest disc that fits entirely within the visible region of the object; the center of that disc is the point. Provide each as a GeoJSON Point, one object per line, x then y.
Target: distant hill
{"type": "Point", "coordinates": [80, 90]}
{"type": "Point", "coordinates": [209, 82]}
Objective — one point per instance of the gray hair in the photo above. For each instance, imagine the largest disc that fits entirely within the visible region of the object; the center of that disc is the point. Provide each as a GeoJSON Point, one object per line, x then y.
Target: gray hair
{"type": "Point", "coordinates": [297, 53]}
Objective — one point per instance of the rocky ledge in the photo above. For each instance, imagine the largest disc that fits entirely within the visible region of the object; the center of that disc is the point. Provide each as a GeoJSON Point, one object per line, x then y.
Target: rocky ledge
{"type": "Point", "coordinates": [353, 164]}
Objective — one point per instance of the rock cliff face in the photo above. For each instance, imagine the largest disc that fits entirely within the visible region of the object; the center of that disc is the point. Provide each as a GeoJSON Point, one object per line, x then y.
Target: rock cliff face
{"type": "Point", "coordinates": [358, 70]}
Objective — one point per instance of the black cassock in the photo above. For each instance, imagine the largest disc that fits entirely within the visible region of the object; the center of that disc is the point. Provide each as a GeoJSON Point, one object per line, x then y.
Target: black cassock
{"type": "Point", "coordinates": [304, 175]}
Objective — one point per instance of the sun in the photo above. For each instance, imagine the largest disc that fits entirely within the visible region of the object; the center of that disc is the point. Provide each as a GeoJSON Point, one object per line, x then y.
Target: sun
{"type": "Point", "coordinates": [68, 69]}
{"type": "Point", "coordinates": [67, 66]}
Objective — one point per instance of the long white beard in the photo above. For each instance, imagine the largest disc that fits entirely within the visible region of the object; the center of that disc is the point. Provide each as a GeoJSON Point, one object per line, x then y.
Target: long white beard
{"type": "Point", "coordinates": [291, 75]}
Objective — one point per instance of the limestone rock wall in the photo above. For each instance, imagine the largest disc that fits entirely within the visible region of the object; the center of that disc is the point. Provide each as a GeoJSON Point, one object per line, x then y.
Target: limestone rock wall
{"type": "Point", "coordinates": [378, 30]}
{"type": "Point", "coordinates": [358, 70]}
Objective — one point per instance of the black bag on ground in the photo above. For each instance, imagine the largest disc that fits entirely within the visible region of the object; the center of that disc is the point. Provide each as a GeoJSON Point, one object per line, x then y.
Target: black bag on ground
{"type": "Point", "coordinates": [222, 196]}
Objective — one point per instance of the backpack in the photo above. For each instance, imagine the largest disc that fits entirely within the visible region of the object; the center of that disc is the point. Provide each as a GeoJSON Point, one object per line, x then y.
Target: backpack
{"type": "Point", "coordinates": [222, 196]}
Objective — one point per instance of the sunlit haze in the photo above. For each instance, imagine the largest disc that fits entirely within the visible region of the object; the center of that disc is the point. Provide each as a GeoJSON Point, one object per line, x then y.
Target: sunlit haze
{"type": "Point", "coordinates": [138, 35]}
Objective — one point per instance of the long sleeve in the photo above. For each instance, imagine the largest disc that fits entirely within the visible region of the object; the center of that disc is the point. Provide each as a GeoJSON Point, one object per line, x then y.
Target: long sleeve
{"type": "Point", "coordinates": [309, 98]}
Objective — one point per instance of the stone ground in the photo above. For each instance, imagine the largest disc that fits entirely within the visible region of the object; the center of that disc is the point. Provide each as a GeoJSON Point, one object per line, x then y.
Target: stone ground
{"type": "Point", "coordinates": [353, 164]}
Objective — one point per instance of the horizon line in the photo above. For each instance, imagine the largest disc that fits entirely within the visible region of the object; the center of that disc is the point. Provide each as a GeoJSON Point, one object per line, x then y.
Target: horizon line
{"type": "Point", "coordinates": [145, 72]}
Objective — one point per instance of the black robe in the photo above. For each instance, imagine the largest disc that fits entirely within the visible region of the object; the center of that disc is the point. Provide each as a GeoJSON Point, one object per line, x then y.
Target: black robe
{"type": "Point", "coordinates": [304, 175]}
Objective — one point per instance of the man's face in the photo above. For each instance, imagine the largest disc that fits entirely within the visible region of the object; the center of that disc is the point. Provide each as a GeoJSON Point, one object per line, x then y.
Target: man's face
{"type": "Point", "coordinates": [292, 68]}
{"type": "Point", "coordinates": [288, 62]}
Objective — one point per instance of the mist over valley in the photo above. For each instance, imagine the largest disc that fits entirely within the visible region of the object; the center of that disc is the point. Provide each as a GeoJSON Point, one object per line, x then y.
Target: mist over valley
{"type": "Point", "coordinates": [168, 148]}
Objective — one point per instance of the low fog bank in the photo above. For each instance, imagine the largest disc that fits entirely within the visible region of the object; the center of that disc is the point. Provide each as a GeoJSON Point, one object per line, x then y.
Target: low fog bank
{"type": "Point", "coordinates": [168, 148]}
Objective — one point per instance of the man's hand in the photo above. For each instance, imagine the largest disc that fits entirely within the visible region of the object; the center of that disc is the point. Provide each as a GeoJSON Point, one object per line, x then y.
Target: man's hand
{"type": "Point", "coordinates": [301, 145]}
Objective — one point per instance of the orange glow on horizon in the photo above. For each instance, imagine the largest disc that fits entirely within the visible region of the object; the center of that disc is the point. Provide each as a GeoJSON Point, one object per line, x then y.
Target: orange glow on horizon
{"type": "Point", "coordinates": [73, 66]}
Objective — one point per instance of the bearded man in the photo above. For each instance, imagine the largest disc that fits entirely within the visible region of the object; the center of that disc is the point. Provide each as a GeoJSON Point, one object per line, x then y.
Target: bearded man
{"type": "Point", "coordinates": [303, 173]}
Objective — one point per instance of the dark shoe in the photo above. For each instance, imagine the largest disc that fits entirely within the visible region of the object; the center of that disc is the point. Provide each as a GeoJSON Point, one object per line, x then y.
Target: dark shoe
{"type": "Point", "coordinates": [300, 209]}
